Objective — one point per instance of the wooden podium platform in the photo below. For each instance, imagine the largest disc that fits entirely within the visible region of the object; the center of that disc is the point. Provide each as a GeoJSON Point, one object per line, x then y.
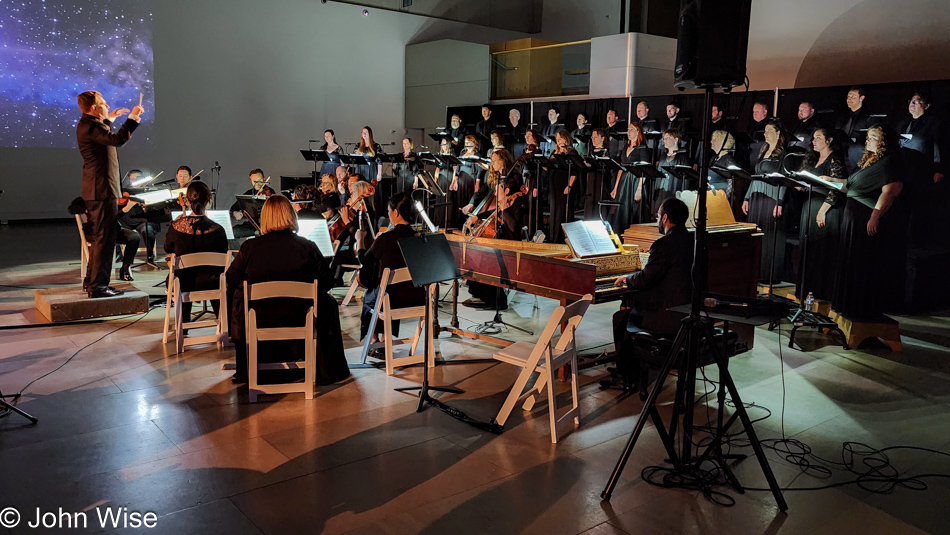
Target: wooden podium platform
{"type": "Point", "coordinates": [71, 303]}
{"type": "Point", "coordinates": [857, 332]}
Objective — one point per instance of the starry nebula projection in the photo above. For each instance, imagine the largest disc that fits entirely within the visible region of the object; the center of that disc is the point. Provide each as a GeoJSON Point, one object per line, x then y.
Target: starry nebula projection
{"type": "Point", "coordinates": [52, 50]}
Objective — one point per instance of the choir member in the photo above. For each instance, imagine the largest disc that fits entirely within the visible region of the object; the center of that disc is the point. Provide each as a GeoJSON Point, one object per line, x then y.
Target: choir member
{"type": "Point", "coordinates": [407, 173]}
{"type": "Point", "coordinates": [722, 145]}
{"type": "Point", "coordinates": [854, 123]}
{"type": "Point", "coordinates": [534, 177]}
{"type": "Point", "coordinates": [466, 179]}
{"type": "Point", "coordinates": [870, 232]}
{"type": "Point", "coordinates": [456, 134]}
{"type": "Point", "coordinates": [597, 187]}
{"type": "Point", "coordinates": [332, 147]}
{"type": "Point", "coordinates": [920, 144]}
{"type": "Point", "coordinates": [807, 123]}
{"type": "Point", "coordinates": [484, 127]}
{"type": "Point", "coordinates": [673, 119]}
{"type": "Point", "coordinates": [551, 130]}
{"type": "Point", "coordinates": [382, 253]}
{"type": "Point", "coordinates": [764, 203]}
{"type": "Point", "coordinates": [643, 112]}
{"type": "Point", "coordinates": [372, 170]}
{"type": "Point", "coordinates": [582, 135]}
{"type": "Point", "coordinates": [646, 123]}
{"type": "Point", "coordinates": [826, 161]}
{"type": "Point", "coordinates": [667, 186]}
{"type": "Point", "coordinates": [242, 228]}
{"type": "Point", "coordinates": [516, 131]}
{"type": "Point", "coordinates": [195, 233]}
{"type": "Point", "coordinates": [628, 189]}
{"type": "Point", "coordinates": [718, 121]}
{"type": "Point", "coordinates": [559, 190]}
{"type": "Point", "coordinates": [756, 130]}
{"type": "Point", "coordinates": [497, 138]}
{"type": "Point", "coordinates": [444, 216]}
{"type": "Point", "coordinates": [279, 254]}
{"type": "Point", "coordinates": [613, 145]}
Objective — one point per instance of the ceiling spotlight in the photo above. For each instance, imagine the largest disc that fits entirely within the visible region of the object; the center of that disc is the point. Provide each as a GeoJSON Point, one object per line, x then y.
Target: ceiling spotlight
{"type": "Point", "coordinates": [365, 12]}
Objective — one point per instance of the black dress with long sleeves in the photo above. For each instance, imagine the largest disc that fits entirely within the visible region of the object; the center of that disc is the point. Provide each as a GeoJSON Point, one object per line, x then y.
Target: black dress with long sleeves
{"type": "Point", "coordinates": [385, 253]}
{"type": "Point", "coordinates": [630, 210]}
{"type": "Point", "coordinates": [822, 254]}
{"type": "Point", "coordinates": [468, 173]}
{"type": "Point", "coordinates": [284, 256]}
{"type": "Point", "coordinates": [763, 198]}
{"type": "Point", "coordinates": [370, 169]}
{"type": "Point", "coordinates": [560, 205]}
{"type": "Point", "coordinates": [865, 281]}
{"type": "Point", "coordinates": [406, 172]}
{"type": "Point", "coordinates": [196, 234]}
{"type": "Point", "coordinates": [329, 168]}
{"type": "Point", "coordinates": [669, 185]}
{"type": "Point", "coordinates": [445, 216]}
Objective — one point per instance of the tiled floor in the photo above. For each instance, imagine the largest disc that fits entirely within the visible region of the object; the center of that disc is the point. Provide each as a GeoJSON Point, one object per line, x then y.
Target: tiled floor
{"type": "Point", "coordinates": [125, 423]}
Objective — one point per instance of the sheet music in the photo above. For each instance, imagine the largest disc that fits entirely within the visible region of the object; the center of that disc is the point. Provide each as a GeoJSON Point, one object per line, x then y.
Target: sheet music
{"type": "Point", "coordinates": [589, 238]}
{"type": "Point", "coordinates": [155, 197]}
{"type": "Point", "coordinates": [317, 231]}
{"type": "Point", "coordinates": [836, 186]}
{"type": "Point", "coordinates": [221, 217]}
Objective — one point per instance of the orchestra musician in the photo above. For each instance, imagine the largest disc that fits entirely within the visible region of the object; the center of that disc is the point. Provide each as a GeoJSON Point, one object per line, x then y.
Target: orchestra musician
{"type": "Point", "coordinates": [331, 147]}
{"type": "Point", "coordinates": [674, 156]}
{"type": "Point", "coordinates": [466, 178]}
{"type": "Point", "coordinates": [346, 223]}
{"type": "Point", "coordinates": [330, 195]}
{"type": "Point", "coordinates": [195, 233]}
{"type": "Point", "coordinates": [307, 210]}
{"type": "Point", "coordinates": [628, 189]}
{"type": "Point", "coordinates": [827, 161]}
{"type": "Point", "coordinates": [560, 201]}
{"type": "Point", "coordinates": [502, 180]}
{"type": "Point", "coordinates": [259, 187]}
{"type": "Point", "coordinates": [342, 174]}
{"type": "Point", "coordinates": [279, 254]}
{"type": "Point", "coordinates": [764, 203]}
{"type": "Point", "coordinates": [663, 282]}
{"type": "Point", "coordinates": [100, 183]}
{"type": "Point", "coordinates": [372, 170]}
{"type": "Point", "coordinates": [871, 232]}
{"type": "Point", "coordinates": [382, 253]}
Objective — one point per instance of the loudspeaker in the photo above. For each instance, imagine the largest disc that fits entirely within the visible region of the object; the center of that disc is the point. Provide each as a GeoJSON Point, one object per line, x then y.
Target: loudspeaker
{"type": "Point", "coordinates": [712, 44]}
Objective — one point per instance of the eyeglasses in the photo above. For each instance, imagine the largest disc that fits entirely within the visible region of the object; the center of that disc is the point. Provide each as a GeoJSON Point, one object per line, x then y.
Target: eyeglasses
{"type": "Point", "coordinates": [916, 101]}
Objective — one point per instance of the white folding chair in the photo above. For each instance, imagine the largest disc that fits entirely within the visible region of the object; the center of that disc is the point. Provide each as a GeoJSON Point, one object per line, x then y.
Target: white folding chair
{"type": "Point", "coordinates": [354, 282]}
{"type": "Point", "coordinates": [175, 297]}
{"type": "Point", "coordinates": [544, 357]}
{"type": "Point", "coordinates": [83, 248]}
{"type": "Point", "coordinates": [384, 312]}
{"type": "Point", "coordinates": [255, 334]}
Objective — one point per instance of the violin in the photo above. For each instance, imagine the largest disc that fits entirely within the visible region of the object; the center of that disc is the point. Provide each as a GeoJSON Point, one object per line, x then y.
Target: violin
{"type": "Point", "coordinates": [487, 228]}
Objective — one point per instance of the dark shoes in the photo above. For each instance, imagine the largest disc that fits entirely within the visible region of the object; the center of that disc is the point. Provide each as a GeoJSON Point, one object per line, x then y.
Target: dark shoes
{"type": "Point", "coordinates": [106, 291]}
{"type": "Point", "coordinates": [125, 274]}
{"type": "Point", "coordinates": [239, 379]}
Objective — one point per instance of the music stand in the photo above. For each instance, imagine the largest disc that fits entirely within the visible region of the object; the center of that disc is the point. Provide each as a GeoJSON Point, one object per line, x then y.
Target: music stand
{"type": "Point", "coordinates": [534, 203]}
{"type": "Point", "coordinates": [318, 156]}
{"type": "Point", "coordinates": [736, 174]}
{"type": "Point", "coordinates": [430, 261]}
{"type": "Point", "coordinates": [802, 317]}
{"type": "Point", "coordinates": [777, 180]}
{"type": "Point", "coordinates": [251, 205]}
{"type": "Point", "coordinates": [595, 190]}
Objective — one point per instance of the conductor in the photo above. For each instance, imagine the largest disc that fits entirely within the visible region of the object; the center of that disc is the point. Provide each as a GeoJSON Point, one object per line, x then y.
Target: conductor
{"type": "Point", "coordinates": [100, 183]}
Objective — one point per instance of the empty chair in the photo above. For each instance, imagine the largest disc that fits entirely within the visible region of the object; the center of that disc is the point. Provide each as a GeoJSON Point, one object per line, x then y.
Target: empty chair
{"type": "Point", "coordinates": [181, 293]}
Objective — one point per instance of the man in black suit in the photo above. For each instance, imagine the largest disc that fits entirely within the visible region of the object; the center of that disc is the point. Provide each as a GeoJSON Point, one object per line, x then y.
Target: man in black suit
{"type": "Point", "coordinates": [663, 282]}
{"type": "Point", "coordinates": [807, 123]}
{"type": "Point", "coordinates": [854, 123]}
{"type": "Point", "coordinates": [484, 129]}
{"type": "Point", "coordinates": [100, 183]}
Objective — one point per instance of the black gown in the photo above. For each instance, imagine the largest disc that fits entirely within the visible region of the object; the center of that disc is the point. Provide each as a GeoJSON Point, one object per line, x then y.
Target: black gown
{"type": "Point", "coordinates": [598, 185]}
{"type": "Point", "coordinates": [865, 283]}
{"type": "Point", "coordinates": [629, 211]}
{"type": "Point", "coordinates": [445, 216]}
{"type": "Point", "coordinates": [329, 168]}
{"type": "Point", "coordinates": [468, 173]}
{"type": "Point", "coordinates": [822, 253]}
{"type": "Point", "coordinates": [762, 201]}
{"type": "Point", "coordinates": [406, 172]}
{"type": "Point", "coordinates": [560, 205]}
{"type": "Point", "coordinates": [669, 185]}
{"type": "Point", "coordinates": [284, 256]}
{"type": "Point", "coordinates": [370, 169]}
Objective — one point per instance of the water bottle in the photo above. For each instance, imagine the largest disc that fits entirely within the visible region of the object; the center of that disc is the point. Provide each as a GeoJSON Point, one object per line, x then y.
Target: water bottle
{"type": "Point", "coordinates": [810, 302]}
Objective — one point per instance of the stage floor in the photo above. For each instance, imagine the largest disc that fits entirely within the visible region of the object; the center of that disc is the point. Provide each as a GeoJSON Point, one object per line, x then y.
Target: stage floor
{"type": "Point", "coordinates": [126, 422]}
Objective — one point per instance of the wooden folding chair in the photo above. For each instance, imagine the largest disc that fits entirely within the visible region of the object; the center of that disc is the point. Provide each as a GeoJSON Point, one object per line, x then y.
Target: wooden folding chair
{"type": "Point", "coordinates": [175, 297]}
{"type": "Point", "coordinates": [384, 312]}
{"type": "Point", "coordinates": [545, 357]}
{"type": "Point", "coordinates": [255, 334]}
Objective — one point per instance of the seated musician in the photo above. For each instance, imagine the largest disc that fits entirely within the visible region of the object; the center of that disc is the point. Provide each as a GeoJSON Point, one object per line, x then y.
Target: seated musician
{"type": "Point", "coordinates": [147, 221]}
{"type": "Point", "coordinates": [307, 210]}
{"type": "Point", "coordinates": [345, 224]}
{"type": "Point", "coordinates": [124, 236]}
{"type": "Point", "coordinates": [663, 282]}
{"type": "Point", "coordinates": [195, 233]}
{"type": "Point", "coordinates": [381, 253]}
{"type": "Point", "coordinates": [242, 228]}
{"type": "Point", "coordinates": [281, 255]}
{"type": "Point", "coordinates": [329, 196]}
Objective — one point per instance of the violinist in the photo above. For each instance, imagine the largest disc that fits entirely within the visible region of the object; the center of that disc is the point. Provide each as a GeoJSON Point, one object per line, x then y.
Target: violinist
{"type": "Point", "coordinates": [559, 191]}
{"type": "Point", "coordinates": [259, 187]}
{"type": "Point", "coordinates": [307, 210]}
{"type": "Point", "coordinates": [330, 195]}
{"type": "Point", "coordinates": [501, 183]}
{"type": "Point", "coordinates": [346, 224]}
